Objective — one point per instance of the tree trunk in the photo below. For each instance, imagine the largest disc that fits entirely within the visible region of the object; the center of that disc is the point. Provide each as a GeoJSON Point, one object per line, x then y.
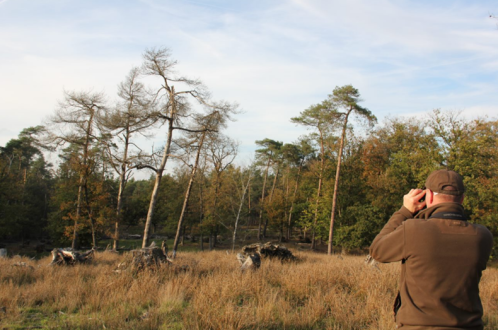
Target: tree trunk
{"type": "Point", "coordinates": [201, 217]}
{"type": "Point", "coordinates": [336, 184]}
{"type": "Point", "coordinates": [211, 244]}
{"type": "Point", "coordinates": [83, 178]}
{"type": "Point", "coordinates": [250, 218]}
{"type": "Point", "coordinates": [75, 243]}
{"type": "Point", "coordinates": [122, 183]}
{"type": "Point", "coordinates": [160, 170]}
{"type": "Point", "coordinates": [320, 178]}
{"type": "Point", "coordinates": [261, 204]}
{"type": "Point", "coordinates": [271, 197]}
{"type": "Point", "coordinates": [90, 217]}
{"type": "Point", "coordinates": [187, 194]}
{"type": "Point", "coordinates": [289, 223]}
{"type": "Point", "coordinates": [182, 237]}
{"type": "Point", "coordinates": [238, 213]}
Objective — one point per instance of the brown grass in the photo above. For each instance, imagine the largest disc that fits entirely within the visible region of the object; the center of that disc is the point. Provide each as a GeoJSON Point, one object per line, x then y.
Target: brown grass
{"type": "Point", "coordinates": [319, 292]}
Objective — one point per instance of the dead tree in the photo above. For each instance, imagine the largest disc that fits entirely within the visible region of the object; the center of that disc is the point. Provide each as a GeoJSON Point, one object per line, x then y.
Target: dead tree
{"type": "Point", "coordinates": [175, 110]}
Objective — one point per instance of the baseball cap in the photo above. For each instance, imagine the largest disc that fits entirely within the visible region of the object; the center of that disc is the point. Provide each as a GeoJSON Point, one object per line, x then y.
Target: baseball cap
{"type": "Point", "coordinates": [445, 182]}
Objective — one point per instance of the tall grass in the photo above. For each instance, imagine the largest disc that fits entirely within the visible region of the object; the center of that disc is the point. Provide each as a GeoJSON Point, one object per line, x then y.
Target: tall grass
{"type": "Point", "coordinates": [318, 292]}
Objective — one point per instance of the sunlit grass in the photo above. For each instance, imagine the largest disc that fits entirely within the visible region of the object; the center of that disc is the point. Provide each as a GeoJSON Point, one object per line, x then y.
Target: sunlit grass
{"type": "Point", "coordinates": [318, 292]}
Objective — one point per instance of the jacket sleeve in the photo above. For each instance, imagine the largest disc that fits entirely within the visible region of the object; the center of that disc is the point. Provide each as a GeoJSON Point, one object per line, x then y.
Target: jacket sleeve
{"type": "Point", "coordinates": [388, 245]}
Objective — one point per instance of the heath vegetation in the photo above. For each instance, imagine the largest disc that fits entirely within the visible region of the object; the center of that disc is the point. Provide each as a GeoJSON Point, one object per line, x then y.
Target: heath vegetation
{"type": "Point", "coordinates": [208, 291]}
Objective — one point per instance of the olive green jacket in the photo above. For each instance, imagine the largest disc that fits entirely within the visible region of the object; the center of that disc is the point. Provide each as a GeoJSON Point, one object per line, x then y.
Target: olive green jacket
{"type": "Point", "coordinates": [442, 259]}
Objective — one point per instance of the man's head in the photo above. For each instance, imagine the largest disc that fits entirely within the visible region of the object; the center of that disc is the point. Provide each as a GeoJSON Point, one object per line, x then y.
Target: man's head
{"type": "Point", "coordinates": [444, 186]}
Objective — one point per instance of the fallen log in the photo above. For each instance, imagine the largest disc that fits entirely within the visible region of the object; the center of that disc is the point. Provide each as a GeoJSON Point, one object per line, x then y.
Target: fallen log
{"type": "Point", "coordinates": [69, 257]}
{"type": "Point", "coordinates": [269, 250]}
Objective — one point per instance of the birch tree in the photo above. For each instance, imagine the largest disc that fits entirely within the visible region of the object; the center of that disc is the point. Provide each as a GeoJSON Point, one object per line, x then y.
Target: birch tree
{"type": "Point", "coordinates": [245, 188]}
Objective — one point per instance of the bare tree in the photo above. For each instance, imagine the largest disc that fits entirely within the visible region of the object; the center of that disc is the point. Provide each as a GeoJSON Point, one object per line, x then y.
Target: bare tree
{"type": "Point", "coordinates": [173, 110]}
{"type": "Point", "coordinates": [133, 115]}
{"type": "Point", "coordinates": [75, 122]}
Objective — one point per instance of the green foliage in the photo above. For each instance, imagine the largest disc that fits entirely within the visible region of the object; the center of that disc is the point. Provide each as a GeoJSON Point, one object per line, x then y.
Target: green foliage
{"type": "Point", "coordinates": [377, 170]}
{"type": "Point", "coordinates": [362, 222]}
{"type": "Point", "coordinates": [25, 184]}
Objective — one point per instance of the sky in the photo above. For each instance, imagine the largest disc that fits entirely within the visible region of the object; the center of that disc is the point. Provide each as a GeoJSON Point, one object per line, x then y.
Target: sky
{"type": "Point", "coordinates": [274, 58]}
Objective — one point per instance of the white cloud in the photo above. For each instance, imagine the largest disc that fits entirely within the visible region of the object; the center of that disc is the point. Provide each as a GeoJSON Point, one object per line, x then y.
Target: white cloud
{"type": "Point", "coordinates": [274, 59]}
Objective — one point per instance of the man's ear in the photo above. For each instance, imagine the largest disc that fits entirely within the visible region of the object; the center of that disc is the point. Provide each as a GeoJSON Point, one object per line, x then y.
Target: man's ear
{"type": "Point", "coordinates": [429, 197]}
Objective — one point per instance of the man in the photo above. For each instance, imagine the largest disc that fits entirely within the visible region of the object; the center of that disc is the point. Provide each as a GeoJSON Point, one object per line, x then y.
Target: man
{"type": "Point", "coordinates": [442, 257]}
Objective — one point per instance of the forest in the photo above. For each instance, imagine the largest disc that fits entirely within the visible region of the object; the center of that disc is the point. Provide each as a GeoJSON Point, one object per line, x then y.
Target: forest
{"type": "Point", "coordinates": [334, 187]}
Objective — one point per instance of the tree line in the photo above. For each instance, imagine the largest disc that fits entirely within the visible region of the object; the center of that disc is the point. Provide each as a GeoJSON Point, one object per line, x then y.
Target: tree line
{"type": "Point", "coordinates": [336, 185]}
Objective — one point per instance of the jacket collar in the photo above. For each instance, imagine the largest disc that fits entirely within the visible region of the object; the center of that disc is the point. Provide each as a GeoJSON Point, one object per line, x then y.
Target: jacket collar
{"type": "Point", "coordinates": [441, 207]}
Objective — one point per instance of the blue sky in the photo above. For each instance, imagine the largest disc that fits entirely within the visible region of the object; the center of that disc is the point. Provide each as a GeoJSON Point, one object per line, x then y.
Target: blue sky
{"type": "Point", "coordinates": [275, 58]}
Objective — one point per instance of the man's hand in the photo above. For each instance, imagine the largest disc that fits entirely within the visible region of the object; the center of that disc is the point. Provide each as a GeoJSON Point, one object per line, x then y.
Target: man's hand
{"type": "Point", "coordinates": [412, 200]}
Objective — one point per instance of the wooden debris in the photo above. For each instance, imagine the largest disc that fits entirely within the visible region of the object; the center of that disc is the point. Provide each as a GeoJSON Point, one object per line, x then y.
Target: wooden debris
{"type": "Point", "coordinates": [269, 250]}
{"type": "Point", "coordinates": [148, 257]}
{"type": "Point", "coordinates": [69, 257]}
{"type": "Point", "coordinates": [250, 257]}
{"type": "Point", "coordinates": [250, 262]}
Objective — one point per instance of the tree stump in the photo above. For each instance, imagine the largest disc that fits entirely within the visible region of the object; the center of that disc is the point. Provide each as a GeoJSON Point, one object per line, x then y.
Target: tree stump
{"type": "Point", "coordinates": [69, 257]}
{"type": "Point", "coordinates": [149, 257]}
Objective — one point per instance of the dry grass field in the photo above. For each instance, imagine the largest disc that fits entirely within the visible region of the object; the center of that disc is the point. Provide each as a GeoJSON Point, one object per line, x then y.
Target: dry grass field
{"type": "Point", "coordinates": [318, 292]}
